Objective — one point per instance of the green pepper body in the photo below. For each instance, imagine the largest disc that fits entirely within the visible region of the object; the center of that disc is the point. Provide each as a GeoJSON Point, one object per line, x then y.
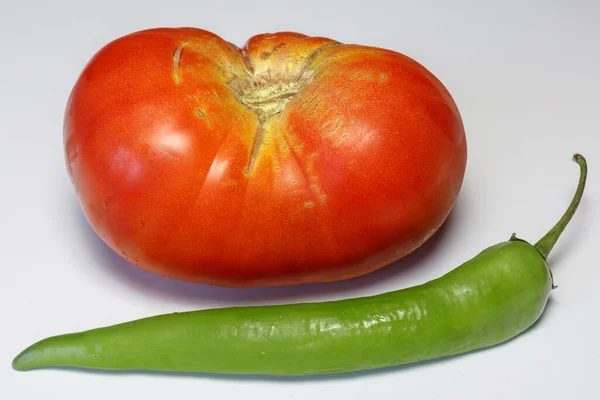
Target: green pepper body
{"type": "Point", "coordinates": [487, 300]}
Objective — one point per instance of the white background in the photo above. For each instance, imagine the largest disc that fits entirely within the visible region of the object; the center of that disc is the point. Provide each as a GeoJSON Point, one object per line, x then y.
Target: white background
{"type": "Point", "coordinates": [526, 77]}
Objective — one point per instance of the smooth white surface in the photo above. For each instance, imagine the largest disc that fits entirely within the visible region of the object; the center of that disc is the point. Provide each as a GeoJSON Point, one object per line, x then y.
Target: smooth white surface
{"type": "Point", "coordinates": [525, 77]}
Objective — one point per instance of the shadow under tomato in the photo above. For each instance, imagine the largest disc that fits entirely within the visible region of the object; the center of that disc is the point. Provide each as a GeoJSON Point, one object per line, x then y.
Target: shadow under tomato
{"type": "Point", "coordinates": [156, 286]}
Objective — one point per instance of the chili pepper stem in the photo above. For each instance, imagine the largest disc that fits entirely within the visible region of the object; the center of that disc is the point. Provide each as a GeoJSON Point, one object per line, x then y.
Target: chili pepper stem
{"type": "Point", "coordinates": [546, 243]}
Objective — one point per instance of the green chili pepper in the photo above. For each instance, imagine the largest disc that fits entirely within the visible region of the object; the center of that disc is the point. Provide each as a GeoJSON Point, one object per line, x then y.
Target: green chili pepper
{"type": "Point", "coordinates": [485, 301]}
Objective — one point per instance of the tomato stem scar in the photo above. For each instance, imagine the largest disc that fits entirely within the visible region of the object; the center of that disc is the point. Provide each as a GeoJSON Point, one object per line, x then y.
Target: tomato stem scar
{"type": "Point", "coordinates": [256, 145]}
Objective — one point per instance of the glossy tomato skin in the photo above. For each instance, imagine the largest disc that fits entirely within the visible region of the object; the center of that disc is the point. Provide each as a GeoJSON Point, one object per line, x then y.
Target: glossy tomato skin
{"type": "Point", "coordinates": [181, 177]}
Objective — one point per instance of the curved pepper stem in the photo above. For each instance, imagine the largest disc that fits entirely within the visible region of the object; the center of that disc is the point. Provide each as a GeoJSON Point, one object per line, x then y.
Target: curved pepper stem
{"type": "Point", "coordinates": [545, 244]}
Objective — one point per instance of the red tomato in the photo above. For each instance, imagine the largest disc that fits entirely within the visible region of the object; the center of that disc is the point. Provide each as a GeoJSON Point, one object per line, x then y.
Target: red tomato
{"type": "Point", "coordinates": [293, 159]}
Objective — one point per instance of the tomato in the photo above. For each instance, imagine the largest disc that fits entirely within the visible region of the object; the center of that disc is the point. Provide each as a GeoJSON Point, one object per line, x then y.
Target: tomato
{"type": "Point", "coordinates": [292, 159]}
